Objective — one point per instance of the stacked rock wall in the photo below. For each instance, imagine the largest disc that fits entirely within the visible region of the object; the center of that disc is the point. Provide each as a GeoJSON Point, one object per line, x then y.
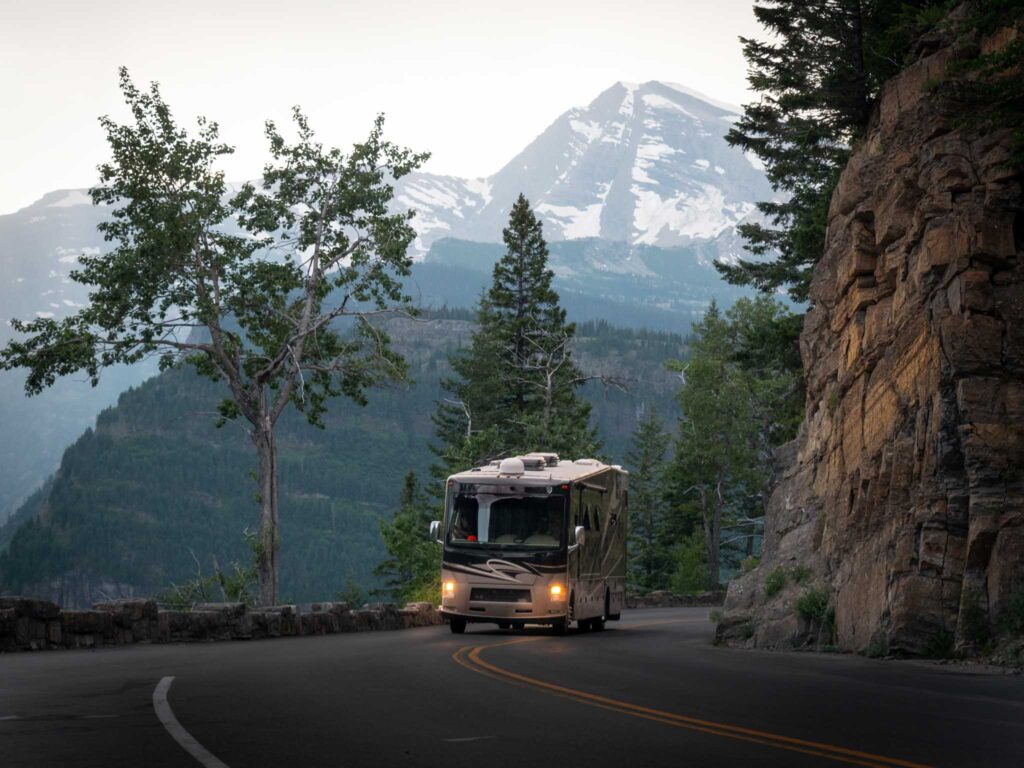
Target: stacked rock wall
{"type": "Point", "coordinates": [904, 493]}
{"type": "Point", "coordinates": [28, 624]}
{"type": "Point", "coordinates": [662, 598]}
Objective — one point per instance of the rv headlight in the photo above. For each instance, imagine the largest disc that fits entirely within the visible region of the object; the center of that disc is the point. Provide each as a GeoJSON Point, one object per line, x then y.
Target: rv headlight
{"type": "Point", "coordinates": [557, 592]}
{"type": "Point", "coordinates": [449, 589]}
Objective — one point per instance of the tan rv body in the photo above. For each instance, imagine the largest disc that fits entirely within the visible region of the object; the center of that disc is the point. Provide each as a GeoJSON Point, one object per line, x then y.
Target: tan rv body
{"type": "Point", "coordinates": [498, 569]}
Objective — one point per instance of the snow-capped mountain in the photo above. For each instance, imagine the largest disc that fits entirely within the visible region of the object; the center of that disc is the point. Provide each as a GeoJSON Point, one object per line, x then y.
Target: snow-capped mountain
{"type": "Point", "coordinates": [641, 165]}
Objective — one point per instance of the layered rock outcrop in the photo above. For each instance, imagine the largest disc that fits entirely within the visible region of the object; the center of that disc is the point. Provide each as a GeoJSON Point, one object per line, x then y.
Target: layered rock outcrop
{"type": "Point", "coordinates": [902, 499]}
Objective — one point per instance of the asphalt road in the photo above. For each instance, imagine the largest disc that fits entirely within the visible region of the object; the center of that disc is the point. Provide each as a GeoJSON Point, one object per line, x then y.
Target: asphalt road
{"type": "Point", "coordinates": [648, 691]}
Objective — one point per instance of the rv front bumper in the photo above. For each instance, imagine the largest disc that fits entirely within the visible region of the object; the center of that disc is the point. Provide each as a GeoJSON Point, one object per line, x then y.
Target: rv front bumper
{"type": "Point", "coordinates": [502, 613]}
{"type": "Point", "coordinates": [492, 602]}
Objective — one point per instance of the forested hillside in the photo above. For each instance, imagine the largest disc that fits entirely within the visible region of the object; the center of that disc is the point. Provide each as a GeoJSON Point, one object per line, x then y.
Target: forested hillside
{"type": "Point", "coordinates": [155, 489]}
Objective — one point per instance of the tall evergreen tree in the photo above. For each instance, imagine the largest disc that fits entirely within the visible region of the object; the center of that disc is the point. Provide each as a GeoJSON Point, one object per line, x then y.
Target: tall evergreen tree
{"type": "Point", "coordinates": [740, 399]}
{"type": "Point", "coordinates": [515, 386]}
{"type": "Point", "coordinates": [715, 463]}
{"type": "Point", "coordinates": [818, 75]}
{"type": "Point", "coordinates": [649, 553]}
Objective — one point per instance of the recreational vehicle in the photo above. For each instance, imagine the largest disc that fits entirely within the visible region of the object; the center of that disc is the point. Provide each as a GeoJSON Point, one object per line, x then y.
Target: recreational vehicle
{"type": "Point", "coordinates": [534, 540]}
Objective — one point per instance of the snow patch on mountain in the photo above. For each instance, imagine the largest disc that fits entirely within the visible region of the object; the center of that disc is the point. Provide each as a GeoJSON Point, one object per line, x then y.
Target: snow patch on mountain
{"type": "Point", "coordinates": [71, 197]}
{"type": "Point", "coordinates": [576, 222]}
{"type": "Point", "coordinates": [704, 215]}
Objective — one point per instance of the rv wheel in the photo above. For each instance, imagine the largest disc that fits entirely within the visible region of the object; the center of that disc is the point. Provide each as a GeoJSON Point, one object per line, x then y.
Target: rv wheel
{"type": "Point", "coordinates": [458, 626]}
{"type": "Point", "coordinates": [560, 627]}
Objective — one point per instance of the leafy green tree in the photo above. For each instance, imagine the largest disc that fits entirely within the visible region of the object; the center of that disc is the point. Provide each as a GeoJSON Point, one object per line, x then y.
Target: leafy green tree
{"type": "Point", "coordinates": [649, 555]}
{"type": "Point", "coordinates": [818, 74]}
{"type": "Point", "coordinates": [514, 387]}
{"type": "Point", "coordinates": [413, 572]}
{"type": "Point", "coordinates": [259, 310]}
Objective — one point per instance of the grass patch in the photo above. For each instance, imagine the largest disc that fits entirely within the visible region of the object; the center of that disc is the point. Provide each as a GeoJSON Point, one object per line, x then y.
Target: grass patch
{"type": "Point", "coordinates": [775, 582]}
{"type": "Point", "coordinates": [747, 564]}
{"type": "Point", "coordinates": [715, 616]}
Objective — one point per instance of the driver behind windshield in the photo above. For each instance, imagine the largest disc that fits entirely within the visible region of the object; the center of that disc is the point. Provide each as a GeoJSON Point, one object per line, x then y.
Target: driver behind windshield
{"type": "Point", "coordinates": [507, 520]}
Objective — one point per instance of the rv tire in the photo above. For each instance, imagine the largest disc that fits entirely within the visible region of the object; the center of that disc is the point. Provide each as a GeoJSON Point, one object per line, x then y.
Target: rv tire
{"type": "Point", "coordinates": [457, 625]}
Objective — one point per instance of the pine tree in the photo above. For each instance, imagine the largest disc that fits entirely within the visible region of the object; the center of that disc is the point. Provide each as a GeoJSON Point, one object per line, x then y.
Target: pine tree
{"type": "Point", "coordinates": [649, 552]}
{"type": "Point", "coordinates": [740, 399]}
{"type": "Point", "coordinates": [413, 571]}
{"type": "Point", "coordinates": [818, 76]}
{"type": "Point", "coordinates": [514, 388]}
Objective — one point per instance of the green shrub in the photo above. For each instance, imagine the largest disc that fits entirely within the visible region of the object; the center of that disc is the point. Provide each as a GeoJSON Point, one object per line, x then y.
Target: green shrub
{"type": "Point", "coordinates": [800, 574]}
{"type": "Point", "coordinates": [877, 648]}
{"type": "Point", "coordinates": [352, 594]}
{"type": "Point", "coordinates": [775, 582]}
{"type": "Point", "coordinates": [1012, 619]}
{"type": "Point", "coordinates": [941, 645]}
{"type": "Point", "coordinates": [427, 592]}
{"type": "Point", "coordinates": [235, 584]}
{"type": "Point", "coordinates": [748, 564]}
{"type": "Point", "coordinates": [691, 569]}
{"type": "Point", "coordinates": [715, 616]}
{"type": "Point", "coordinates": [813, 605]}
{"type": "Point", "coordinates": [974, 619]}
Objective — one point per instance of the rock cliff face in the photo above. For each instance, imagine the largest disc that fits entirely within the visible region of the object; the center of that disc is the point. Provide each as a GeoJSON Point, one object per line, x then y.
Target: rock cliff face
{"type": "Point", "coordinates": [902, 499]}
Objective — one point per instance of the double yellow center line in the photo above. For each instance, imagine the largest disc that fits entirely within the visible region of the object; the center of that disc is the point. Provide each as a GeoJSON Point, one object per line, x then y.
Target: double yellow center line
{"type": "Point", "coordinates": [471, 657]}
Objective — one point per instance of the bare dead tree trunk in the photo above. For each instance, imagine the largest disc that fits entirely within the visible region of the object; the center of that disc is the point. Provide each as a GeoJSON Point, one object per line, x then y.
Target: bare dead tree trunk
{"type": "Point", "coordinates": [714, 542]}
{"type": "Point", "coordinates": [707, 519]}
{"type": "Point", "coordinates": [549, 397]}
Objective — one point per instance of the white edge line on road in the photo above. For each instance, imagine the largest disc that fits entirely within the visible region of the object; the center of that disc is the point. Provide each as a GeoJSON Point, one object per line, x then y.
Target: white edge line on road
{"type": "Point", "coordinates": [179, 734]}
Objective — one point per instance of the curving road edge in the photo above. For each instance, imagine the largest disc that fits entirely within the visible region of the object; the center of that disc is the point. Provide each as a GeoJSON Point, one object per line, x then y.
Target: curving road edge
{"type": "Point", "coordinates": [166, 717]}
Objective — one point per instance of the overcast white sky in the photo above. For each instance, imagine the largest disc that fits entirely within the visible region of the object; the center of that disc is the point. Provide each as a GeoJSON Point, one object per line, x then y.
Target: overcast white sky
{"type": "Point", "coordinates": [471, 81]}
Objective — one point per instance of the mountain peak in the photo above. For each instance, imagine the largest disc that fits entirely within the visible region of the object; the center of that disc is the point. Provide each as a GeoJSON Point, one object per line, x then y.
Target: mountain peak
{"type": "Point", "coordinates": [643, 164]}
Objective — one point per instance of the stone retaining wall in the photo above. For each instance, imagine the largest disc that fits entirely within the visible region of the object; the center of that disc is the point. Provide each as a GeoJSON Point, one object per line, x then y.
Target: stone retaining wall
{"type": "Point", "coordinates": [28, 624]}
{"type": "Point", "coordinates": [666, 599]}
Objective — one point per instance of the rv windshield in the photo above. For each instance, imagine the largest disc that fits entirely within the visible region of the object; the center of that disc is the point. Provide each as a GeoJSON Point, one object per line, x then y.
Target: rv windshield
{"type": "Point", "coordinates": [508, 521]}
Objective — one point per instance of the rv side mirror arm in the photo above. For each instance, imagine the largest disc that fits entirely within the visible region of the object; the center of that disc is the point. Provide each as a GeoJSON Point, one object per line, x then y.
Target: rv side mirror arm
{"type": "Point", "coordinates": [435, 530]}
{"type": "Point", "coordinates": [579, 535]}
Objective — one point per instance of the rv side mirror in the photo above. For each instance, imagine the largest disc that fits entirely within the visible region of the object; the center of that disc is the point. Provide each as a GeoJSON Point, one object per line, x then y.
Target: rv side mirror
{"type": "Point", "coordinates": [435, 530]}
{"type": "Point", "coordinates": [579, 534]}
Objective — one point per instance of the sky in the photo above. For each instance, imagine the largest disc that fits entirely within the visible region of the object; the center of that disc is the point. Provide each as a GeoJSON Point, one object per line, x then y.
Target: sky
{"type": "Point", "coordinates": [471, 82]}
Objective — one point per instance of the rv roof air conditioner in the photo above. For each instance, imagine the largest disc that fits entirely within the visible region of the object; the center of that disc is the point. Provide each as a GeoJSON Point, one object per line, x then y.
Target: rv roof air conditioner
{"type": "Point", "coordinates": [513, 466]}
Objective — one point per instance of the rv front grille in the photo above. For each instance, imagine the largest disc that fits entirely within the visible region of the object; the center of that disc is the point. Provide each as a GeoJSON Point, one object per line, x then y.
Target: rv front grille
{"type": "Point", "coordinates": [490, 595]}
